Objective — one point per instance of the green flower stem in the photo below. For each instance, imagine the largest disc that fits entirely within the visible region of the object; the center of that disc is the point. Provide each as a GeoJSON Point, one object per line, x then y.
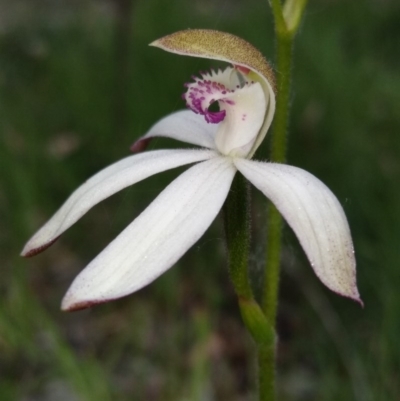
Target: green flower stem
{"type": "Point", "coordinates": [264, 336]}
{"type": "Point", "coordinates": [237, 228]}
{"type": "Point", "coordinates": [278, 155]}
{"type": "Point", "coordinates": [283, 67]}
{"type": "Point", "coordinates": [266, 369]}
{"type": "Point", "coordinates": [237, 231]}
{"type": "Point", "coordinates": [261, 321]}
{"type": "Point", "coordinates": [287, 20]}
{"type": "Point", "coordinates": [267, 355]}
{"type": "Point", "coordinates": [273, 259]}
{"type": "Point", "coordinates": [280, 24]}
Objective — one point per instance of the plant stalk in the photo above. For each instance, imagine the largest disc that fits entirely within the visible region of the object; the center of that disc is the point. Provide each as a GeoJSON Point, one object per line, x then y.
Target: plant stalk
{"type": "Point", "coordinates": [287, 19]}
{"type": "Point", "coordinates": [237, 229]}
{"type": "Point", "coordinates": [260, 320]}
{"type": "Point", "coordinates": [278, 155]}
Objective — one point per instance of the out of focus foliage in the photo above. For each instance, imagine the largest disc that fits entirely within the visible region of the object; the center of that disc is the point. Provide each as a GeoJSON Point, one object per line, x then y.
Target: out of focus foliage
{"type": "Point", "coordinates": [78, 84]}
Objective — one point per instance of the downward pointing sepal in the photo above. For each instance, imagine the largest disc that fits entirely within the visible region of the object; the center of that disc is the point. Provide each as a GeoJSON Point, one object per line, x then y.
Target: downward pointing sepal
{"type": "Point", "coordinates": [157, 238]}
{"type": "Point", "coordinates": [316, 217]}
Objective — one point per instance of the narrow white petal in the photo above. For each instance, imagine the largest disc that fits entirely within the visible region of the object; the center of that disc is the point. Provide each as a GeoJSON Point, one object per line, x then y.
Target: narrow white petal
{"type": "Point", "coordinates": [184, 126]}
{"type": "Point", "coordinates": [106, 183]}
{"type": "Point", "coordinates": [158, 237]}
{"type": "Point", "coordinates": [316, 217]}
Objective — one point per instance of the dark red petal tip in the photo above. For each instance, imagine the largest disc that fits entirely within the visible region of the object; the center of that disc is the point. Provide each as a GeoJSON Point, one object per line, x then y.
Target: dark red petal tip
{"type": "Point", "coordinates": [140, 145]}
{"type": "Point", "coordinates": [85, 305]}
{"type": "Point", "coordinates": [40, 249]}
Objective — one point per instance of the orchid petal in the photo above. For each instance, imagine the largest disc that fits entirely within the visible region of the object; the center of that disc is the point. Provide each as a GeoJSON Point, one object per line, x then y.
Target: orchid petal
{"type": "Point", "coordinates": [158, 237]}
{"type": "Point", "coordinates": [232, 49]}
{"type": "Point", "coordinates": [316, 217]}
{"type": "Point", "coordinates": [106, 183]}
{"type": "Point", "coordinates": [183, 126]}
{"type": "Point", "coordinates": [242, 106]}
{"type": "Point", "coordinates": [244, 117]}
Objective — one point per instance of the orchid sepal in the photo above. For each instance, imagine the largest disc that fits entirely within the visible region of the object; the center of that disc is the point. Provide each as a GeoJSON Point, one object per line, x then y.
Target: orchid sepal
{"type": "Point", "coordinates": [157, 238]}
{"type": "Point", "coordinates": [316, 217]}
{"type": "Point", "coordinates": [105, 183]}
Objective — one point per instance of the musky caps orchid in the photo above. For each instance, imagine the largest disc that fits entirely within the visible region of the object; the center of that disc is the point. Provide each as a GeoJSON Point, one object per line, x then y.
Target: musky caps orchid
{"type": "Point", "coordinates": [179, 216]}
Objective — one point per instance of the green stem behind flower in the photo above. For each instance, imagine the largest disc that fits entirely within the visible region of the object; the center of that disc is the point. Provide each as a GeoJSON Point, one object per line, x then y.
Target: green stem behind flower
{"type": "Point", "coordinates": [237, 228]}
{"type": "Point", "coordinates": [287, 20]}
{"type": "Point", "coordinates": [260, 322]}
{"type": "Point", "coordinates": [237, 231]}
{"type": "Point", "coordinates": [278, 155]}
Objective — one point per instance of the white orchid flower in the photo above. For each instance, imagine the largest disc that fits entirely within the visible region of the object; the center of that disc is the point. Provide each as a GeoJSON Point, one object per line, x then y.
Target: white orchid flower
{"type": "Point", "coordinates": [184, 210]}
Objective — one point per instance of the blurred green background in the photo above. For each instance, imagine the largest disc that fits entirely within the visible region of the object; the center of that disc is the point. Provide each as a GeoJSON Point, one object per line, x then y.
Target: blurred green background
{"type": "Point", "coordinates": [78, 84]}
